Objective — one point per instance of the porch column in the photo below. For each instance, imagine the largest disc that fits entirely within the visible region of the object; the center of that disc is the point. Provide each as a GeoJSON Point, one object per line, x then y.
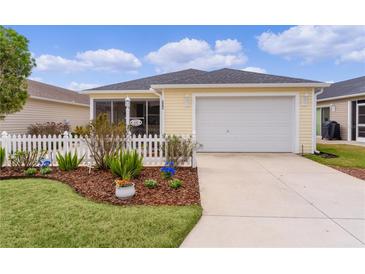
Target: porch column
{"type": "Point", "coordinates": [127, 121]}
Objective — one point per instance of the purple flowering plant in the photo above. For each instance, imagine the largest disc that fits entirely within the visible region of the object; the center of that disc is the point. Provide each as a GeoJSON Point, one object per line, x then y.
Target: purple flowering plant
{"type": "Point", "coordinates": [168, 170]}
{"type": "Point", "coordinates": [44, 163]}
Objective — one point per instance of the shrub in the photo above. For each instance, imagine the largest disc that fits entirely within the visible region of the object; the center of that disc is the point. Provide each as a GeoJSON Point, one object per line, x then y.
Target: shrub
{"type": "Point", "coordinates": [126, 164]}
{"type": "Point", "coordinates": [150, 183]}
{"type": "Point", "coordinates": [68, 162]}
{"type": "Point", "coordinates": [82, 130]}
{"type": "Point", "coordinates": [48, 128]}
{"type": "Point", "coordinates": [178, 149]}
{"type": "Point", "coordinates": [168, 170]}
{"type": "Point", "coordinates": [2, 157]}
{"type": "Point", "coordinates": [105, 140]}
{"type": "Point", "coordinates": [26, 159]}
{"type": "Point", "coordinates": [45, 170]}
{"type": "Point", "coordinates": [30, 171]}
{"type": "Point", "coordinates": [175, 183]}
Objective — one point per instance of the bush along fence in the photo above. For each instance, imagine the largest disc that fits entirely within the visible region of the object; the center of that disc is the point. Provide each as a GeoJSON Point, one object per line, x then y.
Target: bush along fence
{"type": "Point", "coordinates": [154, 149]}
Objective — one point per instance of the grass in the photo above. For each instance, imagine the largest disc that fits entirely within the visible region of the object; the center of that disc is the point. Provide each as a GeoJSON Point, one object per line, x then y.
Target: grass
{"type": "Point", "coordinates": [46, 213]}
{"type": "Point", "coordinates": [348, 155]}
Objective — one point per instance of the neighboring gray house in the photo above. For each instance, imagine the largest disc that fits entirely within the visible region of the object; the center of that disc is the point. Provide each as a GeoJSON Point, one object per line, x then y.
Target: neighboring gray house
{"type": "Point", "coordinates": [344, 102]}
{"type": "Point", "coordinates": [47, 103]}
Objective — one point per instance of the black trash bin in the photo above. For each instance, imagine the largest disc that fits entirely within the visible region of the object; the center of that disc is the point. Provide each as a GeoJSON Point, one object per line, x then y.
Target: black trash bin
{"type": "Point", "coordinates": [331, 130]}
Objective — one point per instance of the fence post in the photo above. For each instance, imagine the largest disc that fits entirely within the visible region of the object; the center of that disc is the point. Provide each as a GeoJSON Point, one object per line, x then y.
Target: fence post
{"type": "Point", "coordinates": [193, 160]}
{"type": "Point", "coordinates": [127, 122]}
{"type": "Point", "coordinates": [65, 142]}
{"type": "Point", "coordinates": [4, 144]}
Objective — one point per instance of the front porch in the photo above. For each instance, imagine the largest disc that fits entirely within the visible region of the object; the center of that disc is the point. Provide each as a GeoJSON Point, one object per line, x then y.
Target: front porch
{"type": "Point", "coordinates": [144, 114]}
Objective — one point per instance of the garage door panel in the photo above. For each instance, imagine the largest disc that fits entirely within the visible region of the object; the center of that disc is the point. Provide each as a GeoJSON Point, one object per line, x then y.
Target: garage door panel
{"type": "Point", "coordinates": [247, 124]}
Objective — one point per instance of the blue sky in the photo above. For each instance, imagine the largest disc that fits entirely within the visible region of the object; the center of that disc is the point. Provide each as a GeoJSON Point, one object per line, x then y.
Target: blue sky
{"type": "Point", "coordinates": [80, 57]}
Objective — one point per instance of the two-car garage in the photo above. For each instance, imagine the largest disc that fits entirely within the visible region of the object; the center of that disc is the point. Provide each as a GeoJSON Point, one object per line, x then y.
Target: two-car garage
{"type": "Point", "coordinates": [246, 123]}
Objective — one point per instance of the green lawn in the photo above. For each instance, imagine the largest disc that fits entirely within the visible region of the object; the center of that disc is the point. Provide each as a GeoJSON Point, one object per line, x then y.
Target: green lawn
{"type": "Point", "coordinates": [349, 156]}
{"type": "Point", "coordinates": [45, 213]}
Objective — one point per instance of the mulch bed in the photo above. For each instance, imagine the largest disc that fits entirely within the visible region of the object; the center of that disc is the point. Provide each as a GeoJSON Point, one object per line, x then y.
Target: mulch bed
{"type": "Point", "coordinates": [99, 186]}
{"type": "Point", "coordinates": [356, 172]}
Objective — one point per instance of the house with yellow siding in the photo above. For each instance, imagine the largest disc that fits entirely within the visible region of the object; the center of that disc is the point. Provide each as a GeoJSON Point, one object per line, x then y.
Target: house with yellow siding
{"type": "Point", "coordinates": [225, 110]}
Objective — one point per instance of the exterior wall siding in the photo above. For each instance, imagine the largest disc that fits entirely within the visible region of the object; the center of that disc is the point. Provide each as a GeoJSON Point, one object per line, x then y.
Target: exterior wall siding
{"type": "Point", "coordinates": [178, 110]}
{"type": "Point", "coordinates": [340, 114]}
{"type": "Point", "coordinates": [39, 111]}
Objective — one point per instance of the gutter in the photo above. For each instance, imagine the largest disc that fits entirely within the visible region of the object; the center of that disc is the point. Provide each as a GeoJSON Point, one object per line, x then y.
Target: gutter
{"type": "Point", "coordinates": [321, 90]}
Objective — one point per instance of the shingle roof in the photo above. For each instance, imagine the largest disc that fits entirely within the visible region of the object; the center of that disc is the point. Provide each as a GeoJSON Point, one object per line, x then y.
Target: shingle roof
{"type": "Point", "coordinates": [47, 91]}
{"type": "Point", "coordinates": [145, 83]}
{"type": "Point", "coordinates": [234, 76]}
{"type": "Point", "coordinates": [193, 76]}
{"type": "Point", "coordinates": [344, 88]}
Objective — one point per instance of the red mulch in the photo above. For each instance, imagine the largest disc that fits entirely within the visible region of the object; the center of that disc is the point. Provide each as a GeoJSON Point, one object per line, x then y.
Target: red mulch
{"type": "Point", "coordinates": [98, 185]}
{"type": "Point", "coordinates": [356, 172]}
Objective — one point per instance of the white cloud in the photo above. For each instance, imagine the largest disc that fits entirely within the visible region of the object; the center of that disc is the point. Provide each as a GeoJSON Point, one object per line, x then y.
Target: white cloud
{"type": "Point", "coordinates": [100, 60]}
{"type": "Point", "coordinates": [47, 62]}
{"type": "Point", "coordinates": [111, 59]}
{"type": "Point", "coordinates": [356, 55]}
{"type": "Point", "coordinates": [255, 69]}
{"type": "Point", "coordinates": [34, 78]}
{"type": "Point", "coordinates": [228, 46]}
{"type": "Point", "coordinates": [81, 86]}
{"type": "Point", "coordinates": [198, 54]}
{"type": "Point", "coordinates": [342, 43]}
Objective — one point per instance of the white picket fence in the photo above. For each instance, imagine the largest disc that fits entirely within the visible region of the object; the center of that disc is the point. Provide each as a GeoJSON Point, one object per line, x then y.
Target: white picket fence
{"type": "Point", "coordinates": [150, 147]}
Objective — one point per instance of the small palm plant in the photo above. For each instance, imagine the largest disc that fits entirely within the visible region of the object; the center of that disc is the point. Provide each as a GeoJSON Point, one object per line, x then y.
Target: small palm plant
{"type": "Point", "coordinates": [126, 164]}
{"type": "Point", "coordinates": [68, 161]}
{"type": "Point", "coordinates": [2, 156]}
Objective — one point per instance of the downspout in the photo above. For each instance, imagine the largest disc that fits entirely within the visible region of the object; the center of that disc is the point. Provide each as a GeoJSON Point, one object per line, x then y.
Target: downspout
{"type": "Point", "coordinates": [162, 107]}
{"type": "Point", "coordinates": [314, 134]}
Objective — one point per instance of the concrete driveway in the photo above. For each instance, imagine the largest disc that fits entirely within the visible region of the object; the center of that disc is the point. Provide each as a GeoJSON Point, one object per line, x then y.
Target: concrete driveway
{"type": "Point", "coordinates": [276, 200]}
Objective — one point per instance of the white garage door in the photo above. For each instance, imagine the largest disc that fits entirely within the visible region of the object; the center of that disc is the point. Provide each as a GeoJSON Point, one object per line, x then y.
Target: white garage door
{"type": "Point", "coordinates": [245, 124]}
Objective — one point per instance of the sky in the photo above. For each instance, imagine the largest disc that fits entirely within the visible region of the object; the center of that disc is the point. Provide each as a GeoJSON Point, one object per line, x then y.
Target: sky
{"type": "Point", "coordinates": [82, 57]}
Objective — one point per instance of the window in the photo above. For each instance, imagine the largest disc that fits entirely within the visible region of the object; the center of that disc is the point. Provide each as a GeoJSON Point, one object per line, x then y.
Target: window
{"type": "Point", "coordinates": [118, 111]}
{"type": "Point", "coordinates": [138, 112]}
{"type": "Point", "coordinates": [147, 111]}
{"type": "Point", "coordinates": [103, 107]}
{"type": "Point", "coordinates": [361, 122]}
{"type": "Point", "coordinates": [153, 123]}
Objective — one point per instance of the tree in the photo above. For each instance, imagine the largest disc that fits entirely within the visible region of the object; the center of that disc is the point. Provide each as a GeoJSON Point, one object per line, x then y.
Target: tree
{"type": "Point", "coordinates": [16, 65]}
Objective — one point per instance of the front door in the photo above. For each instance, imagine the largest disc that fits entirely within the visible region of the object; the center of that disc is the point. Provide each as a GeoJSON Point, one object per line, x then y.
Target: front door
{"type": "Point", "coordinates": [360, 123]}
{"type": "Point", "coordinates": [323, 115]}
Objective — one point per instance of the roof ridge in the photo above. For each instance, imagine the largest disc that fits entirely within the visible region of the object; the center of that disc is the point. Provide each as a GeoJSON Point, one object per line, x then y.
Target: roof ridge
{"type": "Point", "coordinates": [149, 77]}
{"type": "Point", "coordinates": [266, 74]}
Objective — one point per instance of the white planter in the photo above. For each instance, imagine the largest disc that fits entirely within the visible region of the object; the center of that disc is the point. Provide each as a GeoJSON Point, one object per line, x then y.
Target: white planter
{"type": "Point", "coordinates": [126, 192]}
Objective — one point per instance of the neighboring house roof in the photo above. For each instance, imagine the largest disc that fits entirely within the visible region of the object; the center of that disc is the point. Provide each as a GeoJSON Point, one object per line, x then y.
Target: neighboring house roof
{"type": "Point", "coordinates": [44, 91]}
{"type": "Point", "coordinates": [145, 83]}
{"type": "Point", "coordinates": [199, 77]}
{"type": "Point", "coordinates": [348, 88]}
